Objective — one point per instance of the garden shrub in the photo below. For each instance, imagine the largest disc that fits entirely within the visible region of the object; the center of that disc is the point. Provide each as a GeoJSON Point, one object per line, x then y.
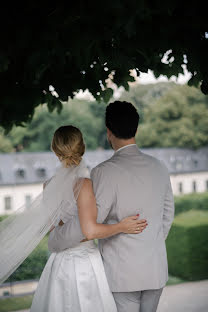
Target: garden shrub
{"type": "Point", "coordinates": [187, 245]}
{"type": "Point", "coordinates": [196, 201]}
{"type": "Point", "coordinates": [33, 266]}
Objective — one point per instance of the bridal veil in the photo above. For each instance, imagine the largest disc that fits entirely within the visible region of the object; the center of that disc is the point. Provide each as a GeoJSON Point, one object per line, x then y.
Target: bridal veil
{"type": "Point", "coordinates": [22, 231]}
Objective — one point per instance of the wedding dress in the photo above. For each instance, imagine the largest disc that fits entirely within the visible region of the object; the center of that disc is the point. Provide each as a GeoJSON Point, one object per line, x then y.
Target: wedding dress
{"type": "Point", "coordinates": [73, 280]}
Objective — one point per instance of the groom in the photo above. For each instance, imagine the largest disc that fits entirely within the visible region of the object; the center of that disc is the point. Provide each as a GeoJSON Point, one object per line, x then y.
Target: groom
{"type": "Point", "coordinates": [128, 183]}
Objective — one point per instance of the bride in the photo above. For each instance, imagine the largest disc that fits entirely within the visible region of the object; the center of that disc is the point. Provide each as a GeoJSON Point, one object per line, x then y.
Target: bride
{"type": "Point", "coordinates": [73, 279]}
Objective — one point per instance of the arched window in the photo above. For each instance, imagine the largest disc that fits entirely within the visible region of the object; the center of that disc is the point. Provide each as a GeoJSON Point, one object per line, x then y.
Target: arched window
{"type": "Point", "coordinates": [194, 186]}
{"type": "Point", "coordinates": [180, 187]}
{"type": "Point", "coordinates": [28, 200]}
{"type": "Point", "coordinates": [7, 203]}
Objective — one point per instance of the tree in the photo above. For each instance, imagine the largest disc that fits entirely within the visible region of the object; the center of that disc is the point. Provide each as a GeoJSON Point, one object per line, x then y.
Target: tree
{"type": "Point", "coordinates": [5, 143]}
{"type": "Point", "coordinates": [78, 45]}
{"type": "Point", "coordinates": [143, 95]}
{"type": "Point", "coordinates": [179, 118]}
{"type": "Point", "coordinates": [37, 135]}
{"type": "Point", "coordinates": [171, 115]}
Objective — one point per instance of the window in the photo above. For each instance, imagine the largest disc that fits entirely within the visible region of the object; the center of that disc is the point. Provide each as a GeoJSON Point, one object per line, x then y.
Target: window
{"type": "Point", "coordinates": [195, 163]}
{"type": "Point", "coordinates": [180, 187]}
{"type": "Point", "coordinates": [20, 173]}
{"type": "Point", "coordinates": [194, 186]}
{"type": "Point", "coordinates": [41, 172]}
{"type": "Point", "coordinates": [28, 200]}
{"type": "Point", "coordinates": [7, 203]}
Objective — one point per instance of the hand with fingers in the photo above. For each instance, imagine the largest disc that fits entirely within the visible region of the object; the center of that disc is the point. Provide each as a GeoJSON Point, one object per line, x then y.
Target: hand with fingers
{"type": "Point", "coordinates": [133, 225]}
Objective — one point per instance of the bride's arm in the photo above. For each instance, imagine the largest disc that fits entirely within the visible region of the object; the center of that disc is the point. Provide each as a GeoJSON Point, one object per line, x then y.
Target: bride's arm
{"type": "Point", "coordinates": [88, 217]}
{"type": "Point", "coordinates": [70, 234]}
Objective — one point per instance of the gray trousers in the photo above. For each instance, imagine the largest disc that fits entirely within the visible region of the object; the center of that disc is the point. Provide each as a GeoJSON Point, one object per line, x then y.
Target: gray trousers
{"type": "Point", "coordinates": [138, 301]}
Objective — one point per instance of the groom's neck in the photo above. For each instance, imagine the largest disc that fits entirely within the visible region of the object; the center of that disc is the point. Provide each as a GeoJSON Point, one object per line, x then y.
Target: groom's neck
{"type": "Point", "coordinates": [119, 143]}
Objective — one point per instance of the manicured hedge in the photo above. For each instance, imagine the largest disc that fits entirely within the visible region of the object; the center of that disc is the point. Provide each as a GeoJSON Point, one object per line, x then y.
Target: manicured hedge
{"type": "Point", "coordinates": [187, 243]}
{"type": "Point", "coordinates": [187, 246]}
{"type": "Point", "coordinates": [33, 266]}
{"type": "Point", "coordinates": [196, 201]}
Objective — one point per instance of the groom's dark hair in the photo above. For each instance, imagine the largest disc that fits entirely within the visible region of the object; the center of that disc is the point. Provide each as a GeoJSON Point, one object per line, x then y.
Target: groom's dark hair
{"type": "Point", "coordinates": [122, 119]}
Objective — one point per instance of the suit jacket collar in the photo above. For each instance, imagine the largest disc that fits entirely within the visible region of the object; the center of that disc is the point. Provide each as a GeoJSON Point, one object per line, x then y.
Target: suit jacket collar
{"type": "Point", "coordinates": [128, 150]}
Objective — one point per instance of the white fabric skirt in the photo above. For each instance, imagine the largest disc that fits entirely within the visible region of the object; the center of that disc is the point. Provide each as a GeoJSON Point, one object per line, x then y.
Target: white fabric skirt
{"type": "Point", "coordinates": [74, 280]}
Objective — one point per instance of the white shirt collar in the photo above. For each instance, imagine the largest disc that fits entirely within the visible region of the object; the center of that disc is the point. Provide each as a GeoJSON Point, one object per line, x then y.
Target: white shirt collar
{"type": "Point", "coordinates": [124, 147]}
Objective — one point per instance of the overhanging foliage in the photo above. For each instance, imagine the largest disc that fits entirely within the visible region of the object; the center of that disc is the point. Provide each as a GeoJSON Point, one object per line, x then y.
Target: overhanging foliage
{"type": "Point", "coordinates": [77, 46]}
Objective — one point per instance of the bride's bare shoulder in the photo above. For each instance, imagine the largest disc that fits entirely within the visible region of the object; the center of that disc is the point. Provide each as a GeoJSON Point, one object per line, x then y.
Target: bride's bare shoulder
{"type": "Point", "coordinates": [86, 183]}
{"type": "Point", "coordinates": [86, 188]}
{"type": "Point", "coordinates": [81, 186]}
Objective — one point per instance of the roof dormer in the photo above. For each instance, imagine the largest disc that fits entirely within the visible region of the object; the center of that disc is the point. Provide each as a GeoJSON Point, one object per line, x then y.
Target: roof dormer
{"type": "Point", "coordinates": [20, 173]}
{"type": "Point", "coordinates": [41, 172]}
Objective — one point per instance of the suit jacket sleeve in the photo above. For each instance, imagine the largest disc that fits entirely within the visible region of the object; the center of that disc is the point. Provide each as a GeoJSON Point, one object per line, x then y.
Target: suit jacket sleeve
{"type": "Point", "coordinates": [169, 209]}
{"type": "Point", "coordinates": [66, 236]}
{"type": "Point", "coordinates": [104, 192]}
{"type": "Point", "coordinates": [70, 234]}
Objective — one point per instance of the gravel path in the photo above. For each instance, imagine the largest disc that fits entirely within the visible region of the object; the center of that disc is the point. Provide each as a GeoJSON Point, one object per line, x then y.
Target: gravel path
{"type": "Point", "coordinates": [185, 297]}
{"type": "Point", "coordinates": [190, 297]}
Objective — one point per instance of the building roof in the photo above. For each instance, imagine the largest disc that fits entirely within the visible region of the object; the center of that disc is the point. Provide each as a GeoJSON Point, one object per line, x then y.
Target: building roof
{"type": "Point", "coordinates": [36, 167]}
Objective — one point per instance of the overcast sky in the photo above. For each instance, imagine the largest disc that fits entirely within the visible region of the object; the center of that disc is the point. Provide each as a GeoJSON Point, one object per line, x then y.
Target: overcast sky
{"type": "Point", "coordinates": [143, 79]}
{"type": "Point", "coordinates": [150, 78]}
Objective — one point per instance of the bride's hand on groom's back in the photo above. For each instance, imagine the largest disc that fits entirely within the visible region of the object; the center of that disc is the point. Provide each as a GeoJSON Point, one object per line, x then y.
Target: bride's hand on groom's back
{"type": "Point", "coordinates": [133, 225]}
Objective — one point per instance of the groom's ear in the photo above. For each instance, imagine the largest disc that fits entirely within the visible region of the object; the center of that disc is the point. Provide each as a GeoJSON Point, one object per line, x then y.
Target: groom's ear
{"type": "Point", "coordinates": [109, 133]}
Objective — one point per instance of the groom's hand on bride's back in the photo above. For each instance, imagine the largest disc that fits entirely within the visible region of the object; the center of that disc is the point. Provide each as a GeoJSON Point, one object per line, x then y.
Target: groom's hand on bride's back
{"type": "Point", "coordinates": [133, 225]}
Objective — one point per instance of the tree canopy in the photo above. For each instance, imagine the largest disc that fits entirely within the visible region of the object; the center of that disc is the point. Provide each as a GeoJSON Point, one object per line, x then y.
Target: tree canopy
{"type": "Point", "coordinates": [80, 44]}
{"type": "Point", "coordinates": [171, 116]}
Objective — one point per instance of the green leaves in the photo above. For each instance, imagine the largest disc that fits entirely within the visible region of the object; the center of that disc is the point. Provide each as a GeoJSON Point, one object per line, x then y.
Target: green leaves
{"type": "Point", "coordinates": [107, 94]}
{"type": "Point", "coordinates": [53, 103]}
{"type": "Point", "coordinates": [194, 81]}
{"type": "Point", "coordinates": [55, 45]}
{"type": "Point", "coordinates": [4, 62]}
{"type": "Point", "coordinates": [177, 118]}
{"type": "Point", "coordinates": [204, 87]}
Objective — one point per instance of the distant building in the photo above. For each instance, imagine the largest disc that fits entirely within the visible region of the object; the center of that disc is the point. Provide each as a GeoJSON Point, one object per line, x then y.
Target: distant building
{"type": "Point", "coordinates": [22, 174]}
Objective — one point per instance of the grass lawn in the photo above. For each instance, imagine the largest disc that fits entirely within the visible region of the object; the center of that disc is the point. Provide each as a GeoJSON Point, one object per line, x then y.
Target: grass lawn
{"type": "Point", "coordinates": [15, 304]}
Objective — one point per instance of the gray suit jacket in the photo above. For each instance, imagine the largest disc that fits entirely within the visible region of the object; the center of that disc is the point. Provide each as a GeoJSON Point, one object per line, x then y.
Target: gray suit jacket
{"type": "Point", "coordinates": [129, 183]}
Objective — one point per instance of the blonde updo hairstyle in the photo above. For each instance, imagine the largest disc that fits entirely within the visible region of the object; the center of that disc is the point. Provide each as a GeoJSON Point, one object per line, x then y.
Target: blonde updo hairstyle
{"type": "Point", "coordinates": [68, 145]}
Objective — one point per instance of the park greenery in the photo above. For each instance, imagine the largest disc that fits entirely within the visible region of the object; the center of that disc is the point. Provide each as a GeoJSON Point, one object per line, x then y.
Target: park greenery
{"type": "Point", "coordinates": [171, 115]}
{"type": "Point", "coordinates": [186, 246]}
{"type": "Point", "coordinates": [16, 303]}
{"type": "Point", "coordinates": [82, 45]}
{"type": "Point", "coordinates": [186, 243]}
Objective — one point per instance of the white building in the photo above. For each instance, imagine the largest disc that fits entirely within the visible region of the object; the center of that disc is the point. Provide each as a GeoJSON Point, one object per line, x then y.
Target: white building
{"type": "Point", "coordinates": [22, 174]}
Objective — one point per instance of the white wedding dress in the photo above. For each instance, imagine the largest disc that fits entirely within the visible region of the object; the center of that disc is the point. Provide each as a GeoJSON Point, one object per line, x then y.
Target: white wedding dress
{"type": "Point", "coordinates": [74, 280]}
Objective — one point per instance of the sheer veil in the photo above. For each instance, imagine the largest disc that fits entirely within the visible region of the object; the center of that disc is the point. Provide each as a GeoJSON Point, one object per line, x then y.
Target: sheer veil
{"type": "Point", "coordinates": [22, 231]}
